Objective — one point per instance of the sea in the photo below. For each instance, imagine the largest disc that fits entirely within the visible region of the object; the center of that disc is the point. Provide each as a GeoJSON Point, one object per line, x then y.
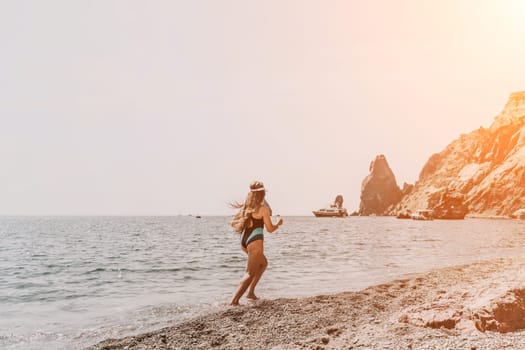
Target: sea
{"type": "Point", "coordinates": [70, 282]}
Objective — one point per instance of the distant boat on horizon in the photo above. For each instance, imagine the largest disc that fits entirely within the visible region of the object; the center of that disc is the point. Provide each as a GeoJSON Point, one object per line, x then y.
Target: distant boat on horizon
{"type": "Point", "coordinates": [330, 212]}
{"type": "Point", "coordinates": [422, 214]}
{"type": "Point", "coordinates": [335, 210]}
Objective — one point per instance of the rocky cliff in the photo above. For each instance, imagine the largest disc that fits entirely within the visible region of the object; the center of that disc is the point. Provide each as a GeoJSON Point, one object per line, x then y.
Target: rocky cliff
{"type": "Point", "coordinates": [379, 190]}
{"type": "Point", "coordinates": [486, 167]}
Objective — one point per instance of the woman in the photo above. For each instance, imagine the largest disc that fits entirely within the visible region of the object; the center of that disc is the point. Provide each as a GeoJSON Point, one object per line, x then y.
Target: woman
{"type": "Point", "coordinates": [254, 215]}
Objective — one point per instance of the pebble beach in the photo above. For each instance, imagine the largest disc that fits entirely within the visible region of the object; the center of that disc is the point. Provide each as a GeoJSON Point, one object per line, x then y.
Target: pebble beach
{"type": "Point", "coordinates": [473, 306]}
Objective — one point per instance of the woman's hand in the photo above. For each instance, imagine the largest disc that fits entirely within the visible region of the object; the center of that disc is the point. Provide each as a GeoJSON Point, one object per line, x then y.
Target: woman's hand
{"type": "Point", "coordinates": [270, 227]}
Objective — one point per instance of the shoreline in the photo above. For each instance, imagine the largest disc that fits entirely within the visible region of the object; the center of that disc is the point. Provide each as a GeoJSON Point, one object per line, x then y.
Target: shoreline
{"type": "Point", "coordinates": [474, 306]}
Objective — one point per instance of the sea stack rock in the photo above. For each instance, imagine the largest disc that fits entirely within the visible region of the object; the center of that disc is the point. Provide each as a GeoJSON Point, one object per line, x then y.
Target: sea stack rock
{"type": "Point", "coordinates": [484, 170]}
{"type": "Point", "coordinates": [379, 190]}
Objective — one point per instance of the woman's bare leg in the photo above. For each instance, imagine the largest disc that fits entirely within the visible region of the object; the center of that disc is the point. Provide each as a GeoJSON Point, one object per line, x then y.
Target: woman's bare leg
{"type": "Point", "coordinates": [256, 277]}
{"type": "Point", "coordinates": [245, 283]}
{"type": "Point", "coordinates": [255, 257]}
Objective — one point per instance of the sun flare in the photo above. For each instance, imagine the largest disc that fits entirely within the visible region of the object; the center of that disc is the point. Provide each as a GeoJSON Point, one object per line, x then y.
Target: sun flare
{"type": "Point", "coordinates": [513, 14]}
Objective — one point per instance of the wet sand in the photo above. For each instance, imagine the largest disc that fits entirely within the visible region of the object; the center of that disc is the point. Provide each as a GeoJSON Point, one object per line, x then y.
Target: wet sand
{"type": "Point", "coordinates": [475, 306]}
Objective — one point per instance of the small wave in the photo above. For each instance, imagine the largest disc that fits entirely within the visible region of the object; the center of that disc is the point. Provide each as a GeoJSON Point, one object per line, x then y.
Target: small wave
{"type": "Point", "coordinates": [234, 259]}
{"type": "Point", "coordinates": [391, 265]}
{"type": "Point", "coordinates": [224, 266]}
{"type": "Point", "coordinates": [47, 273]}
{"type": "Point", "coordinates": [28, 285]}
{"type": "Point", "coordinates": [98, 269]}
{"type": "Point", "coordinates": [52, 266]}
{"type": "Point", "coordinates": [168, 269]}
{"type": "Point", "coordinates": [153, 270]}
{"type": "Point", "coordinates": [176, 269]}
{"type": "Point", "coordinates": [74, 296]}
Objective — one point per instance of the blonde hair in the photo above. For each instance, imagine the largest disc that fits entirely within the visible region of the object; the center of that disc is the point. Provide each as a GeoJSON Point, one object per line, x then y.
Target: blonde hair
{"type": "Point", "coordinates": [251, 204]}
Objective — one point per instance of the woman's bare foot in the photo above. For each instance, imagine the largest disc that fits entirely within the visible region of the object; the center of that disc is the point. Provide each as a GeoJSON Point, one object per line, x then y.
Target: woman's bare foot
{"type": "Point", "coordinates": [252, 297]}
{"type": "Point", "coordinates": [234, 301]}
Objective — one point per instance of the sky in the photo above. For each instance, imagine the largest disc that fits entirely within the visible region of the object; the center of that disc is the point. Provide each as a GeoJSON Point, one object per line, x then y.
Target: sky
{"type": "Point", "coordinates": [174, 107]}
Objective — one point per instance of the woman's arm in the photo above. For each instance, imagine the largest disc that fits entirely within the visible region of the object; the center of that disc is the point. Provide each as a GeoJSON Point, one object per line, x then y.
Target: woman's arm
{"type": "Point", "coordinates": [270, 227]}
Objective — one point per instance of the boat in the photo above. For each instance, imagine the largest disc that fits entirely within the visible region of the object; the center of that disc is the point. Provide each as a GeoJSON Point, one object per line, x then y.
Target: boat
{"type": "Point", "coordinates": [403, 215]}
{"type": "Point", "coordinates": [422, 214]}
{"type": "Point", "coordinates": [335, 210]}
{"type": "Point", "coordinates": [330, 212]}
